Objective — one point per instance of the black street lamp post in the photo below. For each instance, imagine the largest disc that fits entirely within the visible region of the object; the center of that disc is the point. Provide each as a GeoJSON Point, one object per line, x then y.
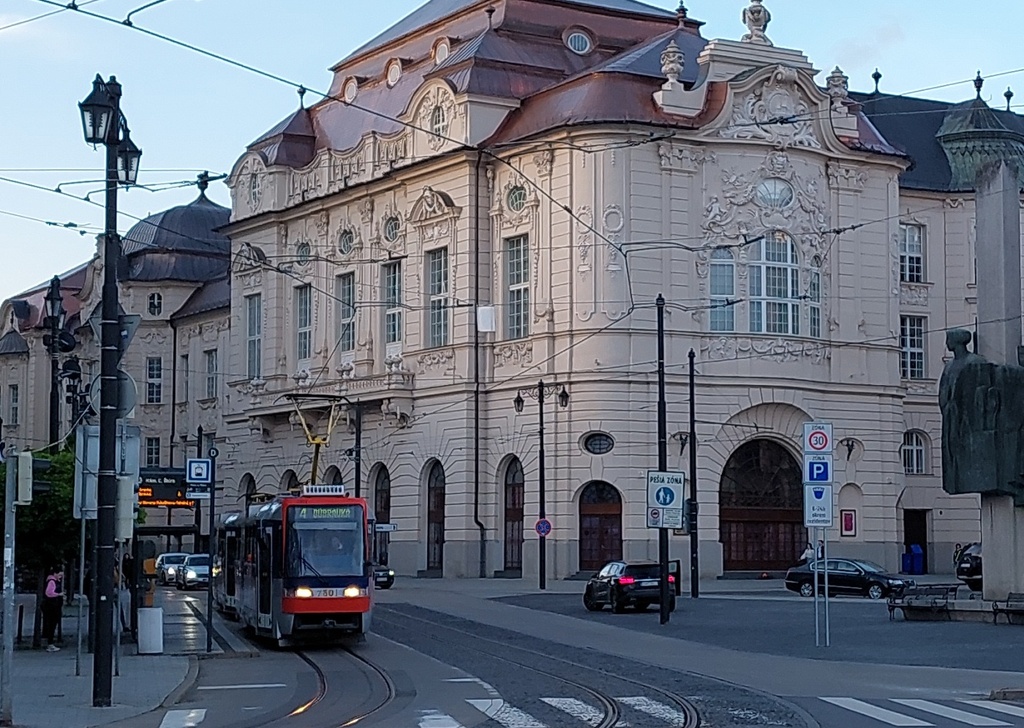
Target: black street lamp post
{"type": "Point", "coordinates": [104, 124]}
{"type": "Point", "coordinates": [540, 393]}
{"type": "Point", "coordinates": [52, 341]}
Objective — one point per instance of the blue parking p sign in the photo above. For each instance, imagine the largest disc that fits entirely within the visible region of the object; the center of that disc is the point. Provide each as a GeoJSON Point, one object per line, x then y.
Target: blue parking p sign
{"type": "Point", "coordinates": [817, 469]}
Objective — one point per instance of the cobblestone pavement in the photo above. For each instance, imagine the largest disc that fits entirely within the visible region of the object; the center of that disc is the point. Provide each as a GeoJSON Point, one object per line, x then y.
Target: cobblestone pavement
{"type": "Point", "coordinates": [508, 662]}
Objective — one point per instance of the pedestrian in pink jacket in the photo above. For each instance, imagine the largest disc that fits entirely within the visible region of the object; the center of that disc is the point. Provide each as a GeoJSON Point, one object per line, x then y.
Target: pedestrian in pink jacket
{"type": "Point", "coordinates": [53, 606]}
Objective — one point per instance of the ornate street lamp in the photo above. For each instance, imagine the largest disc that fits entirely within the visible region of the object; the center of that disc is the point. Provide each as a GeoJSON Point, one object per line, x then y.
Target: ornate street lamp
{"type": "Point", "coordinates": [55, 314]}
{"type": "Point", "coordinates": [98, 111]}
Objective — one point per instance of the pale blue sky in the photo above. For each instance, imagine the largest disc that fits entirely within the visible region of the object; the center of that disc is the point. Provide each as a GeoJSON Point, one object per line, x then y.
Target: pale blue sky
{"type": "Point", "coordinates": [190, 112]}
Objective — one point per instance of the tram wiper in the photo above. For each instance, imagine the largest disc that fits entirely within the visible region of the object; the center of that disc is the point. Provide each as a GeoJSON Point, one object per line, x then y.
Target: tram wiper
{"type": "Point", "coordinates": [312, 569]}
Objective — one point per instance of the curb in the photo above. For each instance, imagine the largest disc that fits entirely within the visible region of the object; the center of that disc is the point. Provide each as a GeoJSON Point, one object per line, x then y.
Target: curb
{"type": "Point", "coordinates": [190, 679]}
{"type": "Point", "coordinates": [1007, 694]}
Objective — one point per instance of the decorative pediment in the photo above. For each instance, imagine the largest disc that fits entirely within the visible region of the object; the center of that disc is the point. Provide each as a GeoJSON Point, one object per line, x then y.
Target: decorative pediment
{"type": "Point", "coordinates": [249, 184]}
{"type": "Point", "coordinates": [435, 113]}
{"type": "Point", "coordinates": [431, 206]}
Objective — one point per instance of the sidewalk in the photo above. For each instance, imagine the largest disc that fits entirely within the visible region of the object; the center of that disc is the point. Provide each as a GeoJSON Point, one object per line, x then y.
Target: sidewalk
{"type": "Point", "coordinates": [47, 693]}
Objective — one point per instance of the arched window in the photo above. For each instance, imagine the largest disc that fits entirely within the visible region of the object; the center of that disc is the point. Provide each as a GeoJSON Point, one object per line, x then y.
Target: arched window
{"type": "Point", "coordinates": [774, 285]}
{"type": "Point", "coordinates": [289, 481]}
{"type": "Point", "coordinates": [515, 497]}
{"type": "Point", "coordinates": [439, 122]}
{"type": "Point", "coordinates": [915, 453]}
{"type": "Point", "coordinates": [382, 495]}
{"type": "Point", "coordinates": [435, 517]}
{"type": "Point", "coordinates": [723, 288]}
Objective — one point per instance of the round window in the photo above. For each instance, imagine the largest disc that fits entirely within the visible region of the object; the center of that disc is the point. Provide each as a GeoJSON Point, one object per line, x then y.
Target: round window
{"type": "Point", "coordinates": [346, 242]}
{"type": "Point", "coordinates": [598, 443]}
{"type": "Point", "coordinates": [439, 121]}
{"type": "Point", "coordinates": [392, 227]}
{"type": "Point", "coordinates": [351, 89]}
{"type": "Point", "coordinates": [775, 193]}
{"type": "Point", "coordinates": [302, 251]}
{"type": "Point", "coordinates": [579, 42]}
{"type": "Point", "coordinates": [517, 199]}
{"type": "Point", "coordinates": [441, 52]}
{"type": "Point", "coordinates": [394, 72]}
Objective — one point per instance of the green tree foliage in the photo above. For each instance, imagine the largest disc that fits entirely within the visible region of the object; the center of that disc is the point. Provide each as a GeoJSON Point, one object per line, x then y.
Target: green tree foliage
{"type": "Point", "coordinates": [47, 532]}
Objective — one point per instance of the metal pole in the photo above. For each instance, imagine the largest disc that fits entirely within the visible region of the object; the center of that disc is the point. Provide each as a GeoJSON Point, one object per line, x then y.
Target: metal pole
{"type": "Point", "coordinates": [209, 583]}
{"type": "Point", "coordinates": [824, 539]}
{"type": "Point", "coordinates": [81, 594]}
{"type": "Point", "coordinates": [814, 568]}
{"type": "Point", "coordinates": [54, 372]}
{"type": "Point", "coordinates": [694, 542]}
{"type": "Point", "coordinates": [358, 455]}
{"type": "Point", "coordinates": [543, 555]}
{"type": "Point", "coordinates": [109, 406]}
{"type": "Point", "coordinates": [117, 619]}
{"type": "Point", "coordinates": [198, 514]}
{"type": "Point", "coordinates": [662, 457]}
{"type": "Point", "coordinates": [6, 709]}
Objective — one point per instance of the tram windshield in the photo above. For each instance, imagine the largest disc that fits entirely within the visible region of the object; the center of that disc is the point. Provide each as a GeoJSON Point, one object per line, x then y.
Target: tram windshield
{"type": "Point", "coordinates": [325, 541]}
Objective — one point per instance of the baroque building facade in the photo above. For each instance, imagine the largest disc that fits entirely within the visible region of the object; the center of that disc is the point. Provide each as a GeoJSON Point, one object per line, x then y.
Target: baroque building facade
{"type": "Point", "coordinates": [493, 195]}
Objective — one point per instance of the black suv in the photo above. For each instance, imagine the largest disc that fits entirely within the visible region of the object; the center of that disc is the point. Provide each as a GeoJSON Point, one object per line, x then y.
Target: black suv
{"type": "Point", "coordinates": [621, 585]}
{"type": "Point", "coordinates": [968, 566]}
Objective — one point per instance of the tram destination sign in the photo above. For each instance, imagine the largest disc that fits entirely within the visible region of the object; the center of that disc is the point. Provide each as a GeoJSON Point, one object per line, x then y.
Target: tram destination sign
{"type": "Point", "coordinates": [326, 513]}
{"type": "Point", "coordinates": [163, 487]}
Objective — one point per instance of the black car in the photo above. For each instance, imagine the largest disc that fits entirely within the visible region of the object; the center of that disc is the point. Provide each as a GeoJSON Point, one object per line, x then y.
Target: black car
{"type": "Point", "coordinates": [846, 576]}
{"type": "Point", "coordinates": [968, 566]}
{"type": "Point", "coordinates": [383, 577]}
{"type": "Point", "coordinates": [620, 585]}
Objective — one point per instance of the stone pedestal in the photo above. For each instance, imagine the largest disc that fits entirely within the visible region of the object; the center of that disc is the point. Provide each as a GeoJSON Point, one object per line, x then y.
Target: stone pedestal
{"type": "Point", "coordinates": [1002, 539]}
{"type": "Point", "coordinates": [998, 254]}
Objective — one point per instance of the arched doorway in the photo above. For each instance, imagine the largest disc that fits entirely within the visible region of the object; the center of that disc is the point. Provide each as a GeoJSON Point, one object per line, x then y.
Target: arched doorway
{"type": "Point", "coordinates": [600, 525]}
{"type": "Point", "coordinates": [515, 497]}
{"type": "Point", "coordinates": [761, 508]}
{"type": "Point", "coordinates": [435, 517]}
{"type": "Point", "coordinates": [332, 476]}
{"type": "Point", "coordinates": [382, 510]}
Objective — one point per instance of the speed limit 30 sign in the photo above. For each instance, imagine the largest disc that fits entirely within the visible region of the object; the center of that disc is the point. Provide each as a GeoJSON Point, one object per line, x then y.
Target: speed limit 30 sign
{"type": "Point", "coordinates": [817, 438]}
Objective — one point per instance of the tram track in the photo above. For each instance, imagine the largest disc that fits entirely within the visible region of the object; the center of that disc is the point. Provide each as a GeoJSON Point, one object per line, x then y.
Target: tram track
{"type": "Point", "coordinates": [609, 706]}
{"type": "Point", "coordinates": [359, 716]}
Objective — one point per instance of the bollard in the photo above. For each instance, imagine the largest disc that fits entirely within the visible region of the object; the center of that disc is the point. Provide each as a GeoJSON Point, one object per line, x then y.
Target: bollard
{"type": "Point", "coordinates": [21, 621]}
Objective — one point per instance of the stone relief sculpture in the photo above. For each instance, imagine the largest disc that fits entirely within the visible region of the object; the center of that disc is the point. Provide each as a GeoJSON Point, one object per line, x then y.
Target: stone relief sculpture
{"type": "Point", "coordinates": [755, 113]}
{"type": "Point", "coordinates": [756, 18]}
{"type": "Point", "coordinates": [982, 423]}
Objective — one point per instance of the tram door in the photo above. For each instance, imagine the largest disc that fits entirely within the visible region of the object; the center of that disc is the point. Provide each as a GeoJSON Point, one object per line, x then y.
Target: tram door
{"type": "Point", "coordinates": [230, 564]}
{"type": "Point", "coordinates": [264, 569]}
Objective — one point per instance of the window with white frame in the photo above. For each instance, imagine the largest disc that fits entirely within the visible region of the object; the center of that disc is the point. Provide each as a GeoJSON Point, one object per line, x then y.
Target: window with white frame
{"type": "Point", "coordinates": [156, 304]}
{"type": "Point", "coordinates": [915, 453]}
{"type": "Point", "coordinates": [912, 347]}
{"type": "Point", "coordinates": [212, 373]}
{"type": "Point", "coordinates": [814, 308]}
{"type": "Point", "coordinates": [911, 253]}
{"type": "Point", "coordinates": [517, 287]}
{"type": "Point", "coordinates": [346, 296]}
{"type": "Point", "coordinates": [392, 284]}
{"type": "Point", "coordinates": [13, 410]}
{"type": "Point", "coordinates": [254, 336]}
{"type": "Point", "coordinates": [152, 452]}
{"type": "Point", "coordinates": [303, 322]}
{"type": "Point", "coordinates": [154, 380]}
{"type": "Point", "coordinates": [774, 285]}
{"type": "Point", "coordinates": [723, 288]}
{"type": "Point", "coordinates": [437, 291]}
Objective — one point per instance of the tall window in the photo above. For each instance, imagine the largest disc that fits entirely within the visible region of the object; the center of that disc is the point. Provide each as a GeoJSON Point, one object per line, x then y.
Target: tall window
{"type": "Point", "coordinates": [156, 304]}
{"type": "Point", "coordinates": [517, 282]}
{"type": "Point", "coordinates": [152, 452]}
{"type": "Point", "coordinates": [154, 380]}
{"type": "Point", "coordinates": [723, 288]}
{"type": "Point", "coordinates": [814, 311]}
{"type": "Point", "coordinates": [12, 403]}
{"type": "Point", "coordinates": [211, 373]}
{"type": "Point", "coordinates": [254, 336]}
{"type": "Point", "coordinates": [774, 286]}
{"type": "Point", "coordinates": [437, 278]}
{"type": "Point", "coordinates": [346, 295]}
{"type": "Point", "coordinates": [303, 322]}
{"type": "Point", "coordinates": [912, 347]}
{"type": "Point", "coordinates": [915, 449]}
{"type": "Point", "coordinates": [392, 302]}
{"type": "Point", "coordinates": [911, 253]}
{"type": "Point", "coordinates": [184, 378]}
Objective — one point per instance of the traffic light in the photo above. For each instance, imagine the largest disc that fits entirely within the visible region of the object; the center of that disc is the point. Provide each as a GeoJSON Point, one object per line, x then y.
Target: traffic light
{"type": "Point", "coordinates": [24, 471]}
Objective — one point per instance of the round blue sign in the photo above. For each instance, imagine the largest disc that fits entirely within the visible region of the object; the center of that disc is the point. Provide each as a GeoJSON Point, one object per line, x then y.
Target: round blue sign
{"type": "Point", "coordinates": [664, 496]}
{"type": "Point", "coordinates": [543, 527]}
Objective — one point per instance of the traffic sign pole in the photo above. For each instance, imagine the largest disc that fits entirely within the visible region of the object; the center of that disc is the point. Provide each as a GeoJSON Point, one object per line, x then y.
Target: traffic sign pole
{"type": "Point", "coordinates": [662, 457]}
{"type": "Point", "coordinates": [819, 509]}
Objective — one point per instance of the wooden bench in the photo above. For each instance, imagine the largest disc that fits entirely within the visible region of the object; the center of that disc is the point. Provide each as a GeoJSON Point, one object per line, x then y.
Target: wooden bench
{"type": "Point", "coordinates": [932, 599]}
{"type": "Point", "coordinates": [1013, 604]}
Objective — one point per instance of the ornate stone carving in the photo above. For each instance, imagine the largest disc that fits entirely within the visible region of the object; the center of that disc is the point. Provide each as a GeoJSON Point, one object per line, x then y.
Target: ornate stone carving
{"type": "Point", "coordinates": [252, 179]}
{"type": "Point", "coordinates": [544, 162]}
{"type": "Point", "coordinates": [894, 264]}
{"type": "Point", "coordinates": [846, 177]}
{"type": "Point", "coordinates": [344, 168]}
{"type": "Point", "coordinates": [684, 159]}
{"type": "Point", "coordinates": [914, 294]}
{"type": "Point", "coordinates": [390, 151]}
{"type": "Point", "coordinates": [672, 63]}
{"type": "Point", "coordinates": [366, 210]}
{"type": "Point", "coordinates": [756, 18]}
{"type": "Point", "coordinates": [436, 360]}
{"type": "Point", "coordinates": [776, 350]}
{"type": "Point", "coordinates": [519, 352]}
{"type": "Point", "coordinates": [437, 98]}
{"type": "Point", "coordinates": [838, 86]}
{"type": "Point", "coordinates": [614, 220]}
{"type": "Point", "coordinates": [952, 203]}
{"type": "Point", "coordinates": [584, 223]}
{"type": "Point", "coordinates": [774, 112]}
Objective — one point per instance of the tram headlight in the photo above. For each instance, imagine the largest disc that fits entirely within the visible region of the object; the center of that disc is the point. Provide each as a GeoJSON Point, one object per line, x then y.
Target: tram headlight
{"type": "Point", "coordinates": [354, 591]}
{"type": "Point", "coordinates": [303, 592]}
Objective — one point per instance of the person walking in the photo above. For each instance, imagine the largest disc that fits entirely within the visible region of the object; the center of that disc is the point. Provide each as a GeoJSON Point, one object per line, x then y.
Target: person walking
{"type": "Point", "coordinates": [808, 555]}
{"type": "Point", "coordinates": [53, 606]}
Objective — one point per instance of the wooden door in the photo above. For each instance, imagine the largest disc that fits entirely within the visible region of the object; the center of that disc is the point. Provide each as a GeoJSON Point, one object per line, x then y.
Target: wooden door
{"type": "Point", "coordinates": [515, 497]}
{"type": "Point", "coordinates": [435, 518]}
{"type": "Point", "coordinates": [600, 526]}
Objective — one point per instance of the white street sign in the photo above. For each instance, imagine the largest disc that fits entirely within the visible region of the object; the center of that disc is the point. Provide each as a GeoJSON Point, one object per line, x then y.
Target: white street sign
{"type": "Point", "coordinates": [203, 494]}
{"type": "Point", "coordinates": [817, 468]}
{"type": "Point", "coordinates": [818, 506]}
{"type": "Point", "coordinates": [818, 437]}
{"type": "Point", "coordinates": [197, 471]}
{"type": "Point", "coordinates": [665, 497]}
{"type": "Point", "coordinates": [385, 527]}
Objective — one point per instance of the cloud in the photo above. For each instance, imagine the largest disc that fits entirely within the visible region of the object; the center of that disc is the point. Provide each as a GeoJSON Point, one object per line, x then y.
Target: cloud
{"type": "Point", "coordinates": [865, 48]}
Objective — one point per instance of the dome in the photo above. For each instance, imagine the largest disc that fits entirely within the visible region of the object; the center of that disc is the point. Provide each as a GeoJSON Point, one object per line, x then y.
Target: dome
{"type": "Point", "coordinates": [178, 244]}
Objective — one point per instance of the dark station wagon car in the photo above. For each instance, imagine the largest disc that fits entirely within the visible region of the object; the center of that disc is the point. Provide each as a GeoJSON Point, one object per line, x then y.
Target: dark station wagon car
{"type": "Point", "coordinates": [620, 584]}
{"type": "Point", "coordinates": [968, 566]}
{"type": "Point", "coordinates": [846, 576]}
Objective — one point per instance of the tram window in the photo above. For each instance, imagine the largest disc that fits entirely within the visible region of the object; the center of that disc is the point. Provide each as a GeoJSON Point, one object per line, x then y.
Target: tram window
{"type": "Point", "coordinates": [333, 548]}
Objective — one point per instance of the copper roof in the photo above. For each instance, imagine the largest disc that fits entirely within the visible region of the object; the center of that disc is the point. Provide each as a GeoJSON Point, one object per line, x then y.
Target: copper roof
{"type": "Point", "coordinates": [31, 310]}
{"type": "Point", "coordinates": [212, 296]}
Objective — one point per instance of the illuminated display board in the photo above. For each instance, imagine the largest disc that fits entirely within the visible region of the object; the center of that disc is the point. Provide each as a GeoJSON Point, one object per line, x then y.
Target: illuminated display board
{"type": "Point", "coordinates": [326, 513]}
{"type": "Point", "coordinates": [164, 487]}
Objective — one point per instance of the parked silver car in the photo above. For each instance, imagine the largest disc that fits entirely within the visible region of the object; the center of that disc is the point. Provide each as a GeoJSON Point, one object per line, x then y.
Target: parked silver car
{"type": "Point", "coordinates": [167, 566]}
{"type": "Point", "coordinates": [194, 573]}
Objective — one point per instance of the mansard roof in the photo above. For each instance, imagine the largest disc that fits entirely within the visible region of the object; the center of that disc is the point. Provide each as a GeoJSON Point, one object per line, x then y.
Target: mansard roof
{"type": "Point", "coordinates": [13, 343]}
{"type": "Point", "coordinates": [212, 296]}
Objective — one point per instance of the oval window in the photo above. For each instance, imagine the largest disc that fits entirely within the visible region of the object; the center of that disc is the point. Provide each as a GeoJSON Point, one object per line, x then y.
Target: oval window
{"type": "Point", "coordinates": [441, 52]}
{"type": "Point", "coordinates": [775, 193]}
{"type": "Point", "coordinates": [351, 90]}
{"type": "Point", "coordinates": [394, 73]}
{"type": "Point", "coordinates": [302, 251]}
{"type": "Point", "coordinates": [346, 242]}
{"type": "Point", "coordinates": [517, 199]}
{"type": "Point", "coordinates": [579, 42]}
{"type": "Point", "coordinates": [391, 229]}
{"type": "Point", "coordinates": [598, 443]}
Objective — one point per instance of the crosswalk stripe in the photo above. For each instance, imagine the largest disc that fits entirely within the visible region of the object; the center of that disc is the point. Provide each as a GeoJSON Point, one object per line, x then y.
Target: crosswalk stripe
{"type": "Point", "coordinates": [656, 710]}
{"type": "Point", "coordinates": [1015, 710]}
{"type": "Point", "coordinates": [501, 712]}
{"type": "Point", "coordinates": [183, 718]}
{"type": "Point", "coordinates": [436, 719]}
{"type": "Point", "coordinates": [873, 711]}
{"type": "Point", "coordinates": [961, 716]}
{"type": "Point", "coordinates": [577, 709]}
